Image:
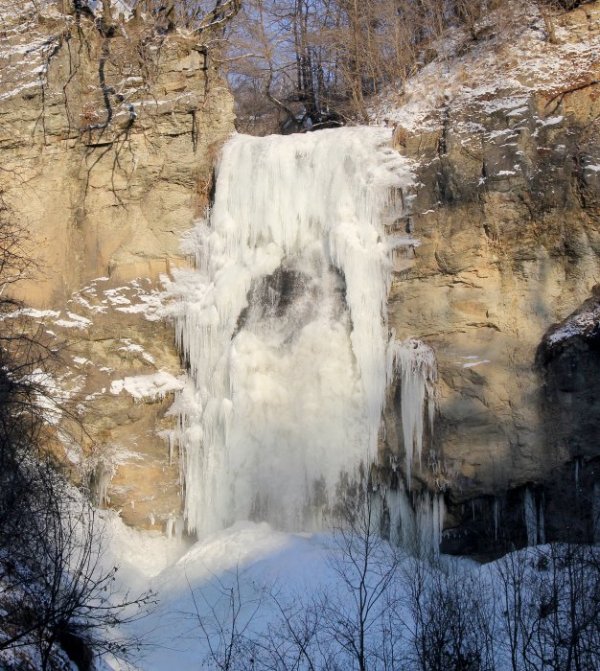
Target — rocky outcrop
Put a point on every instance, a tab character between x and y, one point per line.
108	139
568	359
507	212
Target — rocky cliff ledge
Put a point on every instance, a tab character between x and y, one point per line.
107	139
506	136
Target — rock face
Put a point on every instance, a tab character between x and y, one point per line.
107	148
108	143
508	216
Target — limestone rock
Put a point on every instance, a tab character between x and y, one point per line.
507	214
107	147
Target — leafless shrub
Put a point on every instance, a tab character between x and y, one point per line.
551	607
453	618
224	615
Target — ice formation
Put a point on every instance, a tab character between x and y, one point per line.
596	513
411	520
535	525
496	513
283	326
414	362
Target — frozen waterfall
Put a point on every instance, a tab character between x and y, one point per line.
283	325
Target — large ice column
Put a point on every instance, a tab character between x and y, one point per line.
283	326
534	517
414	363
414	520
596	513
431	510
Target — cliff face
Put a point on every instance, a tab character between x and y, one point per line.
107	148
107	144
507	212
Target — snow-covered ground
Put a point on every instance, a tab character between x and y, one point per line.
250	567
277	600
250	557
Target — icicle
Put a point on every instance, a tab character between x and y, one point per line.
179	527
170	526
172	438
417	527
415	362
286	391
101	479
402	518
174	527
596	512
379	514
578	469
531	517
431	511
439	517
541	521
496	513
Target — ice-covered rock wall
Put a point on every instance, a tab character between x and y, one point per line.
284	326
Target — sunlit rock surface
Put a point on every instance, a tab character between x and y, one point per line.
104	206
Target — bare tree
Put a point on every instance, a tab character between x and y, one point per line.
551	607
224	615
357	616
294	639
318	61
55	591
453	618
